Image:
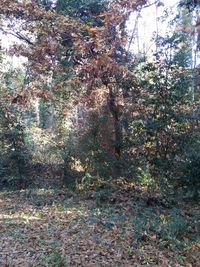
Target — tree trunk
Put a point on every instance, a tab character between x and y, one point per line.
114	110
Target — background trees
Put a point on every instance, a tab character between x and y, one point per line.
102	110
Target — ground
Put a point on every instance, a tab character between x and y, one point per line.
121	227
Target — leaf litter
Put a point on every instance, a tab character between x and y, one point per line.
118	229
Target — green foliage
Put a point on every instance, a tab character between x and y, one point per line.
55	259
86	10
144	178
160	130
189	168
176	226
16	157
168	230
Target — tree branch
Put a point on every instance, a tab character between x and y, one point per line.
19	36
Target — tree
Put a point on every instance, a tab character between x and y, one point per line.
138	116
15	156
88	53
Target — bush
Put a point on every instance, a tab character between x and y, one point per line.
15	159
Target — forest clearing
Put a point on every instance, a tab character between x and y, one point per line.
99	133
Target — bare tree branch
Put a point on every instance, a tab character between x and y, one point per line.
19	36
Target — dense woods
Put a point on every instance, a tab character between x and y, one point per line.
87	110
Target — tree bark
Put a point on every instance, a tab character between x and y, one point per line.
115	111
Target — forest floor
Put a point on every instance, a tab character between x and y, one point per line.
119	227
